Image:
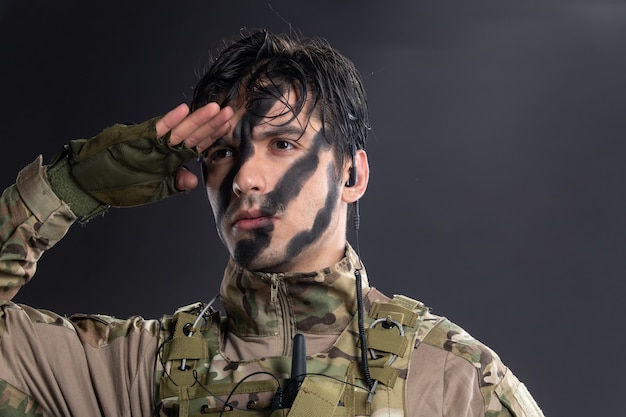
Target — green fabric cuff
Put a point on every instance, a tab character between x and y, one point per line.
84	206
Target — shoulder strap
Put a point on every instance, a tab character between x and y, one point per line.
396	327
183	354
409	312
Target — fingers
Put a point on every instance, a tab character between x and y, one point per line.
214	128
200	128
171	119
186	180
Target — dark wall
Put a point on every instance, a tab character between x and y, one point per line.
497	193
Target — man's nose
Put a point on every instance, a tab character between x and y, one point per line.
250	177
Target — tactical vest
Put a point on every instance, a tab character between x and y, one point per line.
194	379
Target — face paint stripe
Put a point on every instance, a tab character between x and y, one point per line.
243	131
322	219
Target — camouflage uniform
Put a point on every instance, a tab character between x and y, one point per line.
92	365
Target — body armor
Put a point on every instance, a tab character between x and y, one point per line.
193	380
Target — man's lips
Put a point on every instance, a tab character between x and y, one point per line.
249	220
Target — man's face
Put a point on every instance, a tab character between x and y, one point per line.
275	189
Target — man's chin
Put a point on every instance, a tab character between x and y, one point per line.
252	256
260	261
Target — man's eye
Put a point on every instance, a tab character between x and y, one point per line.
220	154
283	145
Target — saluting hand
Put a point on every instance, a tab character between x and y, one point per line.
199	129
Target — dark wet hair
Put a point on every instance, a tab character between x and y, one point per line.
262	64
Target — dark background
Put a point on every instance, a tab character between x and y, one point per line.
497	153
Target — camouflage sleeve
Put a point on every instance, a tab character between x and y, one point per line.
32	220
87	365
503	394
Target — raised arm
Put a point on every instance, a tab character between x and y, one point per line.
121	167
32	220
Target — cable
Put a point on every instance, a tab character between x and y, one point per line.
356	220
232	392
359	301
363	343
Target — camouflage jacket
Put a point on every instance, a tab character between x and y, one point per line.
93	365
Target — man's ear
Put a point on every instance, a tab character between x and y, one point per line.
356	175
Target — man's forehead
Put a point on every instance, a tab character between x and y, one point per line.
277	114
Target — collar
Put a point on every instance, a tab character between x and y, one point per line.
275	304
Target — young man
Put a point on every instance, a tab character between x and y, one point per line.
280	127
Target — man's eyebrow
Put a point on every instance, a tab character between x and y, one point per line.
286	130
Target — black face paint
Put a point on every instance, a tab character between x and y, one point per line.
322	219
243	131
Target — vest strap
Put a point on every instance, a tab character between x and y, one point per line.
183	347
186	348
318	396
183	401
385	375
398	313
386	340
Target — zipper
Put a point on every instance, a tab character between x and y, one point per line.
280	299
274	288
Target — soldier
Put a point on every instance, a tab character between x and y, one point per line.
279	126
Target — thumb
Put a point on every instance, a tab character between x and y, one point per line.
186	180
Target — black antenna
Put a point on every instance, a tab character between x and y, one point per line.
298	370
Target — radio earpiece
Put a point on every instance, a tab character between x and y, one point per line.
353	175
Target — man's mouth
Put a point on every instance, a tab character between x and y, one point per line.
252	219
